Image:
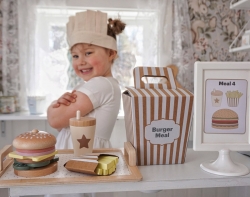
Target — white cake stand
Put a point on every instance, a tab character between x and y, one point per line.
224	165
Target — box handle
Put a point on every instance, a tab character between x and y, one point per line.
170	73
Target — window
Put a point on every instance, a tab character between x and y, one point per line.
53	60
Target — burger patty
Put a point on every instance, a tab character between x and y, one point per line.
225	121
35	154
35	150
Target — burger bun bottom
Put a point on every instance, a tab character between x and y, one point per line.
225	127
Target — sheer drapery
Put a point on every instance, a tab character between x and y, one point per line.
9	49
40	65
182	48
163	27
170	38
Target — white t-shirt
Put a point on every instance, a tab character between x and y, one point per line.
105	95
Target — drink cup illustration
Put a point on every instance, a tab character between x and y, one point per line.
216	97
82	133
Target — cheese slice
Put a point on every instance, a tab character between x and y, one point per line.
36	158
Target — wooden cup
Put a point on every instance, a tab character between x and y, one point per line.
83	134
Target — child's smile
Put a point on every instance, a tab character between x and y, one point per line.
86	71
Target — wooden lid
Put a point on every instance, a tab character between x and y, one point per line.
82	121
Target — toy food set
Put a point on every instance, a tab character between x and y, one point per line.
95	164
124	172
82	134
34	154
158	116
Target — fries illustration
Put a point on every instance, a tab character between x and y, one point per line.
233	98
233	94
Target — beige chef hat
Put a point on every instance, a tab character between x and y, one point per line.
89	27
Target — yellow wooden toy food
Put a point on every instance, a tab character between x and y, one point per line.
106	165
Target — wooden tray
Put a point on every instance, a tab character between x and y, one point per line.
126	160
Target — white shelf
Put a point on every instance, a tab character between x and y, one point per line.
28	116
240	5
22	116
239	49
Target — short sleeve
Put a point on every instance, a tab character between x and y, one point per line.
98	89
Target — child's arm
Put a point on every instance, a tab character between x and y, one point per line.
65	99
58	117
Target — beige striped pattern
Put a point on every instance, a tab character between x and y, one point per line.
149	104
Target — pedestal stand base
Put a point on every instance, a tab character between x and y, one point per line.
225	166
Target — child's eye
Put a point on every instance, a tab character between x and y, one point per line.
75	56
87	53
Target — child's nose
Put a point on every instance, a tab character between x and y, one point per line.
82	61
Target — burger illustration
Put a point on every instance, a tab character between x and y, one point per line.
225	119
34	154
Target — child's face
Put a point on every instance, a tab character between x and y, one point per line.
91	61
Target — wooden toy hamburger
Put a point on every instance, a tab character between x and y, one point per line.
34	154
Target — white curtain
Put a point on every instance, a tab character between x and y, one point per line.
35	61
42	69
170	38
9	49
182	47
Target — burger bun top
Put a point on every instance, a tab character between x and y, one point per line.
225	114
34	140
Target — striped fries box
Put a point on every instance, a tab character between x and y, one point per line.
158	117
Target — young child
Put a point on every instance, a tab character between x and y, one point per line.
92	43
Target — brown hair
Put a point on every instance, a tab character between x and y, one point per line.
115	27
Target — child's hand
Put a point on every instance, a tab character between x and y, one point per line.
66	99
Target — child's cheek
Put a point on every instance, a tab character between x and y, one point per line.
95	62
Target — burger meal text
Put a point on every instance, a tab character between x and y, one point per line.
164	130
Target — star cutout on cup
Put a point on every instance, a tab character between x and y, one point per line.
216	100
84	142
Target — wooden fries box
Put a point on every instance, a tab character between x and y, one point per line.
90	164
158	116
